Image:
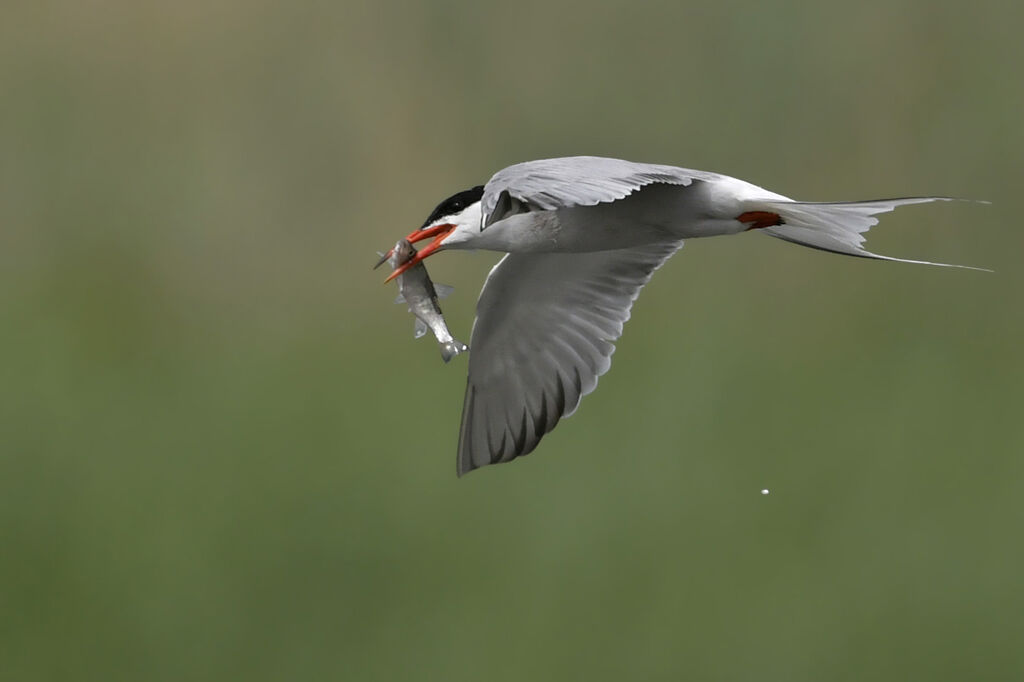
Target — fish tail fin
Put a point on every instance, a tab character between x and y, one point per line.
837	227
452	348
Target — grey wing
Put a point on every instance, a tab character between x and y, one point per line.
544	333
550	184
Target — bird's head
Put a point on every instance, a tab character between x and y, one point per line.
454	220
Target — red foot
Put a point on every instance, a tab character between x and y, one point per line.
759	219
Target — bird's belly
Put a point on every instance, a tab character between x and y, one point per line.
588	228
657	213
591	229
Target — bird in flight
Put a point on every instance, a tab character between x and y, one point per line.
582	236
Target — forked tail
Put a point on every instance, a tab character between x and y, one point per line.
837	227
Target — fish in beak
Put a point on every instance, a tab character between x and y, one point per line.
438	232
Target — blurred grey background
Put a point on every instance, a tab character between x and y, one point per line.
222	455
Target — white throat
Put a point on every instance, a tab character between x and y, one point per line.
467	224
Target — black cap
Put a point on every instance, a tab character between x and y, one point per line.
455	204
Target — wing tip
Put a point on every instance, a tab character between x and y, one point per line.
464	460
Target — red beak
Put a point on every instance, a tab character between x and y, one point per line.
438	232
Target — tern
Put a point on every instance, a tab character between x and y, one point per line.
582	236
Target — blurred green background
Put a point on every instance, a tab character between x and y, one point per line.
222	455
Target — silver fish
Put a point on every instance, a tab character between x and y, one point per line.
418	291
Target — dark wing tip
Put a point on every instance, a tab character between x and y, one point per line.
524	439
464	459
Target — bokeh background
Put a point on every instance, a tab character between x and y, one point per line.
223	456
